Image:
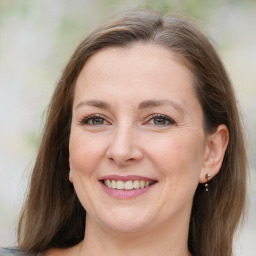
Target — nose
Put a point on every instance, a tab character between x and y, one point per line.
124	148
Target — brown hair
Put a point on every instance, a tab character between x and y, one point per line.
52	215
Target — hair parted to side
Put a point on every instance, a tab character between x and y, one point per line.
53	217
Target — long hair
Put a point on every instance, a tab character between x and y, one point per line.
53	216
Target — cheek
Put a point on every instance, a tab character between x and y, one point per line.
178	157
84	152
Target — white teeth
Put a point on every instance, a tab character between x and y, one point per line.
113	184
142	184
120	184
108	183
136	184
127	185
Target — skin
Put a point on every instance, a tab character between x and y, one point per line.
127	139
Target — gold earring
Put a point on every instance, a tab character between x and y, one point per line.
208	176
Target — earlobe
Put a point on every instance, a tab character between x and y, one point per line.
70	172
215	152
70	176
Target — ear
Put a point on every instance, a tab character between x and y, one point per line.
70	176
216	146
70	172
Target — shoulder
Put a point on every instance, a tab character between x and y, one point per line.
14	251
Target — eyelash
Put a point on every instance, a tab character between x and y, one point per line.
170	121
165	118
86	120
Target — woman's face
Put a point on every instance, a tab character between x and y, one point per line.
137	144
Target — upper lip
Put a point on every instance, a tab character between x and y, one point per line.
126	178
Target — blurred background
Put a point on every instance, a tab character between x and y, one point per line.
36	39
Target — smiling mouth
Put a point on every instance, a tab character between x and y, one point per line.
127	185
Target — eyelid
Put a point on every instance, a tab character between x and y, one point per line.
167	118
85	119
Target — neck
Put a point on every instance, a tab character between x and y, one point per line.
166	240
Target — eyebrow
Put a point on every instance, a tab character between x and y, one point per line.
94	103
157	103
142	105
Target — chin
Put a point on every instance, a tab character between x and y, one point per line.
126	221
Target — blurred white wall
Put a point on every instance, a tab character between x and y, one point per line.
36	39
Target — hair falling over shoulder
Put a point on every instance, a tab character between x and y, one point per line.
52	216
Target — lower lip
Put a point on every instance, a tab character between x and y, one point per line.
126	194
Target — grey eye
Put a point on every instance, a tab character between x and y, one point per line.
160	121
94	120
97	121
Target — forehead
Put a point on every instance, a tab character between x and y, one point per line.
140	70
144	55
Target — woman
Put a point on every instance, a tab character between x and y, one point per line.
143	151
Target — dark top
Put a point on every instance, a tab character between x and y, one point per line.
14	251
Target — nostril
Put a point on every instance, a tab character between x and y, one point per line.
130	159
123	154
